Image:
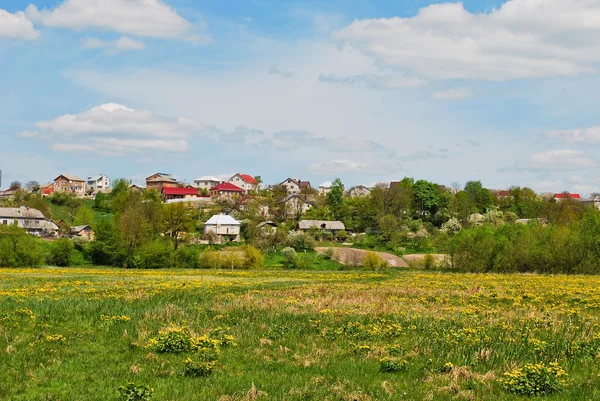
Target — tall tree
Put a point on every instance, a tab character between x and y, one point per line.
179	218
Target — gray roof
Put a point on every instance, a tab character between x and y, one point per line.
20	212
162	179
266	223
222	219
70	177
320	224
78	229
292	196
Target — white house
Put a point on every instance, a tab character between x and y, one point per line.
295	186
324	188
358	191
245	181
97	183
31	220
226	227
206	182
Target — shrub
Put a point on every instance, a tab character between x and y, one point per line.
300	241
19	249
186	256
373	261
198	369
289	256
61	252
428	261
342	235
391	365
155	254
535	379
253	258
134	392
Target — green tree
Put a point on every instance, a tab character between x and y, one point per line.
61	252
335	197
425	197
179	218
388	225
84	216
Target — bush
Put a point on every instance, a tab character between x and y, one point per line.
186	256
134	392
428	261
198	369
535	379
61	252
253	258
300	241
19	249
289	256
155	254
373	261
342	235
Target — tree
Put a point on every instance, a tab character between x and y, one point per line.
84	216
15	185
178	219
425	197
335	196
133	227
388	225
32	185
119	195
61	252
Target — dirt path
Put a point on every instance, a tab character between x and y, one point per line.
354	257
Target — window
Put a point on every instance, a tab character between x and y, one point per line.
5	222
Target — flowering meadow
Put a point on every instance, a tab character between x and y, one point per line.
107	334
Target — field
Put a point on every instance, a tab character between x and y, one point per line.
80	334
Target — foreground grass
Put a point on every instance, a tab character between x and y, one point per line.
78	334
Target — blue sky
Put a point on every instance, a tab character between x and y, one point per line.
369	91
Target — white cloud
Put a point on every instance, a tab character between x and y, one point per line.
577	179
27	134
282	72
149	18
339	167
372	81
521	39
290	139
121	44
453	94
585	135
16	26
561	159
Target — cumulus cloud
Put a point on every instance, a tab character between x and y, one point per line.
372	81
122	44
561	159
16	26
115	130
586	135
282	72
290	139
521	39
339	167
453	94
149	18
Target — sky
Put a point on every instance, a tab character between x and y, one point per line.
367	90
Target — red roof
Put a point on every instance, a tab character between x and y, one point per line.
248	178
227	187
180	191
567	196
505	192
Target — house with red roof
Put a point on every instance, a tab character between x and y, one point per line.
169	193
245	181
565	195
226	189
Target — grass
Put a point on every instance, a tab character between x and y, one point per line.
80	333
311	259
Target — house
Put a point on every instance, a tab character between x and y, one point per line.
224	226
358	191
47	189
83	231
245	181
324	188
169	193
267	226
70	184
31	220
159	181
207	182
7	194
323	225
295	186
565	196
97	183
226	189
296	205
